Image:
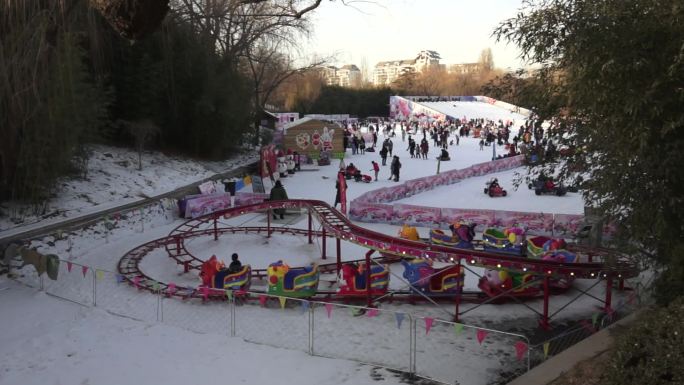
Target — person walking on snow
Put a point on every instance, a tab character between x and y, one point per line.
394	168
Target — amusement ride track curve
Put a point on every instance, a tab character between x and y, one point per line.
335	224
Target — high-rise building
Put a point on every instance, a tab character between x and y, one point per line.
346	76
387	72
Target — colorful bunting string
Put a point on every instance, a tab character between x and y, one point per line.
372	312
84	270
481	335
171	288
400	319
229	295
282	300
458	329
304	306
119	278
69	266
328	309
520	350
428	324
136	282
546	349
262	299
99	274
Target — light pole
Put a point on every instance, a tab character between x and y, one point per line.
494	150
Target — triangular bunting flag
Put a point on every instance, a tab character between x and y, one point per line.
84	270
428	324
546	349
155	286
262	299
458	329
304	306
481	334
205	292
99	274
594	319
229	295
119	278
282	300
400	319
520	350
171	288
136	282
372	312
69	266
328	309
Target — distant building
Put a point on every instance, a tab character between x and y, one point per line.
386	72
346	76
465	68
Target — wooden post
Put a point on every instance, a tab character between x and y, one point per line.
545	316
323	246
310	240
339	255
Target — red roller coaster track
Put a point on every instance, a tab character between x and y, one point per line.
593	263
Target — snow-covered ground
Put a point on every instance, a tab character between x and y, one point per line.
113	179
46	340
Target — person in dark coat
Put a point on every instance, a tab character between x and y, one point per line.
383	155
394	168
278	193
235	266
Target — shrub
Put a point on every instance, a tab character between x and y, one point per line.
651	351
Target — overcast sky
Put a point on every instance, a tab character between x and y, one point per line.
380	30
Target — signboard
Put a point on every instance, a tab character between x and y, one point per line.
313	136
258	184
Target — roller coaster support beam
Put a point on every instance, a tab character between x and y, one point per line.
268	224
459	290
609	293
339	255
369	299
310	240
324	236
545	316
215	228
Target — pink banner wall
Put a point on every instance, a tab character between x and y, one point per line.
483	218
247	198
416	215
566	224
370	212
206	204
538	223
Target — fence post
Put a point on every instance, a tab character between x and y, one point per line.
94	272
412	345
232	308
311	325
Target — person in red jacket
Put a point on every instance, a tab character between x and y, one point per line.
376	169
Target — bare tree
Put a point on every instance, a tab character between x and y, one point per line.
269	67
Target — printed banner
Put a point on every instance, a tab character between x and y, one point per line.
566	224
206	204
416	215
537	223
418	185
483	218
370	212
246	198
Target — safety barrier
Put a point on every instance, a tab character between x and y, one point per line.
427	347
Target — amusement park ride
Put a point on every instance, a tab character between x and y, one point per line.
516	268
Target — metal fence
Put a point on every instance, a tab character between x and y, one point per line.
435	349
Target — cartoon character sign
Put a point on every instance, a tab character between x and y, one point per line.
327	139
303	140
